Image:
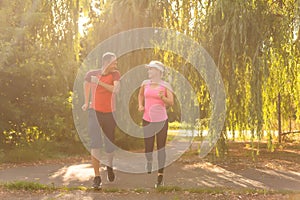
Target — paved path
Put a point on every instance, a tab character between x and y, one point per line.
202	174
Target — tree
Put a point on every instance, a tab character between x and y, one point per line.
240	35
37	68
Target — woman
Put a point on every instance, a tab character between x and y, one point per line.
154	96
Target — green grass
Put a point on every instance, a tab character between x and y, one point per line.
169	189
34	186
218	190
28	186
140	190
112	190
206	190
190	190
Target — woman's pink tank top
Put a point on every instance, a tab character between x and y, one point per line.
155	108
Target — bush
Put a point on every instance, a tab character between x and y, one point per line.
42	150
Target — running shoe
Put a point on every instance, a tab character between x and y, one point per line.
97	182
110	174
160	181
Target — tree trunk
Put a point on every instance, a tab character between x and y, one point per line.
279	117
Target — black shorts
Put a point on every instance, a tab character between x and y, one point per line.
94	130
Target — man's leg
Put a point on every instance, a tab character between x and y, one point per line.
108	125
95	145
110	158
95	156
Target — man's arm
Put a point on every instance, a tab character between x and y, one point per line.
86	90
111	88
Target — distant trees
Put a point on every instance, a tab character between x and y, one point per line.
255	45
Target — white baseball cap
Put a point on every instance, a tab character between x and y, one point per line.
156	64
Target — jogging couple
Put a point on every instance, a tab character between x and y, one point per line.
153	98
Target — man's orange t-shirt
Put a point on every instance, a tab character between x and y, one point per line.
102	100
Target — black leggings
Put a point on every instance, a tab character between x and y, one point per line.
158	129
108	125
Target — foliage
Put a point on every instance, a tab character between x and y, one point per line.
36	71
252	44
255	45
41	150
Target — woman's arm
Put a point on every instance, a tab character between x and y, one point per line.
167	96
141	99
168	99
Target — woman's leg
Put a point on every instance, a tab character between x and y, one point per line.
148	140
161	138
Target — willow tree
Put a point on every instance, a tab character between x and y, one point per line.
244	35
37	69
281	53
252	44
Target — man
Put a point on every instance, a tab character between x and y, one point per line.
100	85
